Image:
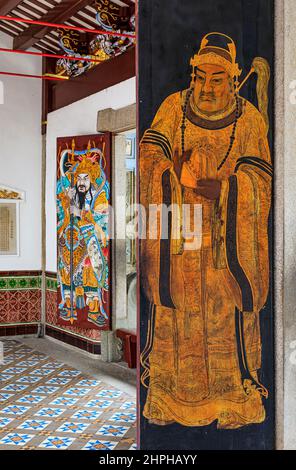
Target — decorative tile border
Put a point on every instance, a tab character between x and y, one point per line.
14	283
51	284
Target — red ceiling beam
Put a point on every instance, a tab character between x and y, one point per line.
108	74
8	5
52	56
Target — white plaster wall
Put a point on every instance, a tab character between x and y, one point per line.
79	118
20	154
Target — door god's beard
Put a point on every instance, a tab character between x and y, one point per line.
81	198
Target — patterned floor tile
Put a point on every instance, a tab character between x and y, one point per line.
5	421
57	442
70	373
64	401
15	370
34	424
99	445
16	410
42	371
5	396
123	417
58	381
29	379
76	428
88	383
101	404
53	365
128	405
50	412
45	389
109	394
111	430
6	377
7	360
16	439
87	414
31	363
59	407
30	399
79	392
14	388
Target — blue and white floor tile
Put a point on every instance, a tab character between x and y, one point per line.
29	379
57	442
14	388
5	421
5	396
79	392
99	445
16	410
16	439
30	399
111	430
58	381
88	383
76	428
46	389
34	424
123	417
101	404
15	370
5	377
87	414
109	394
42	371
45	404
50	412
70	373
64	401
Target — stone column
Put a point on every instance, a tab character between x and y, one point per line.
288	126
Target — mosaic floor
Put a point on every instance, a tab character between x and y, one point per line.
45	404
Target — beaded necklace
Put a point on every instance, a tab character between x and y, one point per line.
183	127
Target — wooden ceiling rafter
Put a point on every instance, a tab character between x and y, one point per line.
84	14
8	5
62	12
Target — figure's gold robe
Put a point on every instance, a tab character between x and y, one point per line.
203	350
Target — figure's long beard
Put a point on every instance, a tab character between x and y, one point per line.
81	199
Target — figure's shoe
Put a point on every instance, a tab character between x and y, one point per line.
96	318
67	315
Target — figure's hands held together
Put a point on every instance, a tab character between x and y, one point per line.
208	188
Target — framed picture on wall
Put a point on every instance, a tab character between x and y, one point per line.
129	148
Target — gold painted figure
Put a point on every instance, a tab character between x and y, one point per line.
207	145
